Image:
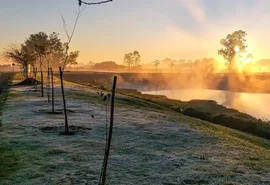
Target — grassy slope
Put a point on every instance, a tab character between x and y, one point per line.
209	111
204	110
258	159
220	131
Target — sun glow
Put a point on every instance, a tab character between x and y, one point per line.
242	62
236	49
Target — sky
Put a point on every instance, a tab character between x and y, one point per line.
178	29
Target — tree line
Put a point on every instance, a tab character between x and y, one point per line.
41	51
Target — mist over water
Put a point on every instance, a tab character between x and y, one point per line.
246	92
255	104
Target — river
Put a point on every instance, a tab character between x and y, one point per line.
255	104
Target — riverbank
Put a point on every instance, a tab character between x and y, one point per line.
208	110
201	109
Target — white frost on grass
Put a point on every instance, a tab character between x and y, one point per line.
149	146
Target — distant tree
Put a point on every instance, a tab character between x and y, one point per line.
90	64
128	59
132	59
21	57
171	64
136	58
156	63
108	66
232	44
204	66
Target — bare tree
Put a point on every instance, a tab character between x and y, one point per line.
156	63
21	57
70	36
67	55
171	64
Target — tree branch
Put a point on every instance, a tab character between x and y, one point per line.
97	3
70	36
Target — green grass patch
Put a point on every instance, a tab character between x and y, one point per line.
4	91
10	161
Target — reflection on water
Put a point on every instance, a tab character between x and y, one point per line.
256	105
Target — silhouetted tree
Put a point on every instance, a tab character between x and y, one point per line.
171	64
21	57
156	63
51	48
108	65
128	60
136	58
233	43
132	59
37	44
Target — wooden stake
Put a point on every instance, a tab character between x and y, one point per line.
52	90
48	85
35	78
107	151
41	75
64	100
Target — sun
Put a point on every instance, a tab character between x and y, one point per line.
236	49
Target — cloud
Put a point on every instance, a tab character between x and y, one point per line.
195	8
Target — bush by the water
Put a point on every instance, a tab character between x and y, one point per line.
238	121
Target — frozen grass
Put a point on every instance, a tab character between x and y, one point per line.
151	144
208	110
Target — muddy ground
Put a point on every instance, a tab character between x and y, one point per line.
150	145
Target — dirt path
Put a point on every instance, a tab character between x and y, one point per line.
150	146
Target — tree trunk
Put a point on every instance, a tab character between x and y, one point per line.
107	151
41	76
48	85
64	101
52	90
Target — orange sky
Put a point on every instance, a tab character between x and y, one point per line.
178	29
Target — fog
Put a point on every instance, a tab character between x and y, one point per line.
238	88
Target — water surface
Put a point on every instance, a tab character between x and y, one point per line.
255	104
